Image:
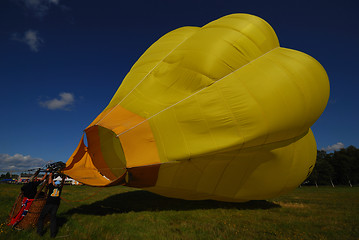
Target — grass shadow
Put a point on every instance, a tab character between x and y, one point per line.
61	221
138	201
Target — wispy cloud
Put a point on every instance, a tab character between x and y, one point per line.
63	103
19	162
30	38
334	147
39	8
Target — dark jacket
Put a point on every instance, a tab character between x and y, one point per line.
54	194
30	189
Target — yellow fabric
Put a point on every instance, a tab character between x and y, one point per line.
95	149
223	109
240	175
112	152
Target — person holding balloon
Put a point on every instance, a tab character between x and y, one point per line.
51	207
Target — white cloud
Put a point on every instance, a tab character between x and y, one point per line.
31	38
56	2
19	162
334	147
39	7
66	100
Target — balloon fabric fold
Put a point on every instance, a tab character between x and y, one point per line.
215	112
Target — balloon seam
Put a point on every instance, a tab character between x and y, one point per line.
195	93
144	78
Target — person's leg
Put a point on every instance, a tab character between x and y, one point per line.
40	222
53	225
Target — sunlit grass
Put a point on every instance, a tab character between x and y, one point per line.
127	213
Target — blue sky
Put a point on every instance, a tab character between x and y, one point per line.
61	61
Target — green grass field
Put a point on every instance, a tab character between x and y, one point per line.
126	213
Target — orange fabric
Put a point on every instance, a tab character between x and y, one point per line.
119	181
120	120
138	143
77	154
99	117
145	176
139	146
85	172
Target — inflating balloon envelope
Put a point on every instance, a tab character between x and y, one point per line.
215	112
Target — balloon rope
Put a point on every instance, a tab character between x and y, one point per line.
195	92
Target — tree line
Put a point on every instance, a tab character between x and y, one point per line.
8	176
337	168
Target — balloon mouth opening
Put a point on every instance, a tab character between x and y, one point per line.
106	151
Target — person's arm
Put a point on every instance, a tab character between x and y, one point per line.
51	180
43	178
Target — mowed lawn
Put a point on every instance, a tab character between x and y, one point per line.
127	213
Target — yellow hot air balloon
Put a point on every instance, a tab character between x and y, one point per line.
215	112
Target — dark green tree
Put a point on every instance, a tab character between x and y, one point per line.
340	167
